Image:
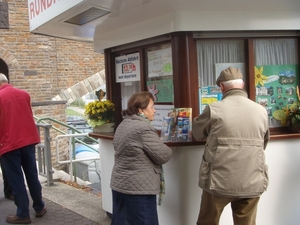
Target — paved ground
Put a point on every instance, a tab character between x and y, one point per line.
65	205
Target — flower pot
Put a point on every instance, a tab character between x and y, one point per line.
294	125
104	128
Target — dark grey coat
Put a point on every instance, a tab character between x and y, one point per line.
139	154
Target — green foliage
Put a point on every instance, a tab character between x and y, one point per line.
78	102
71	112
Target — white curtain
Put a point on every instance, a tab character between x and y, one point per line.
275	51
217	51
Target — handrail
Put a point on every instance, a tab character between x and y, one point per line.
67	126
71	143
71	153
44	154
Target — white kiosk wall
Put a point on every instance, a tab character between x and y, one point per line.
278	205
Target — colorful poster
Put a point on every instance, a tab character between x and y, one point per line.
162	90
276	88
208	95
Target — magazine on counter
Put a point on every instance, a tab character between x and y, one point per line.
177	126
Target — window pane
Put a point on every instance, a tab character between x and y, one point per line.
211	52
214	56
275	51
159	73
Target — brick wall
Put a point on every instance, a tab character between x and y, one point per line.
44	66
58	63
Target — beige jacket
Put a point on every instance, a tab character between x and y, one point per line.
139	154
237	132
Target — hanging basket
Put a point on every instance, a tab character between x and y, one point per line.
104	128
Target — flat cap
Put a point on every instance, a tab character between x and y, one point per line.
231	73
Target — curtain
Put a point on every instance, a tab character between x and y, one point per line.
275	51
217	51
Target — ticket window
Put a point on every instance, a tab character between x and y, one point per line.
214	56
150	69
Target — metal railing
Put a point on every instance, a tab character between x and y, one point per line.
73	129
44	154
72	155
44	149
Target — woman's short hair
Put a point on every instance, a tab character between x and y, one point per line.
137	101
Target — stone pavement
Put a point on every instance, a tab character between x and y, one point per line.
65	205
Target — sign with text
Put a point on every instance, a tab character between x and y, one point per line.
128	68
161	111
42	11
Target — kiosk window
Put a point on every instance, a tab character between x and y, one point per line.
213	57
160	73
276	76
212	53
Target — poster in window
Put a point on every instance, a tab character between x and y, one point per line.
162	90
208	95
161	112
276	88
160	62
221	66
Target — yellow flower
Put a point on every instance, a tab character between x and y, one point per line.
259	77
100	111
292	112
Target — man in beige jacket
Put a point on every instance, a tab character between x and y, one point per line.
233	168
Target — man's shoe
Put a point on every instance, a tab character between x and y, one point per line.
41	213
18	220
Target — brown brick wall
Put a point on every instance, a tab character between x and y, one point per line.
59	63
42	65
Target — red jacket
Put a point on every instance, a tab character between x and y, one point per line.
17	126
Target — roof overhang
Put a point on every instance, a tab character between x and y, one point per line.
75	20
128	21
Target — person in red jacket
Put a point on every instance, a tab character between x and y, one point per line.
18	137
6	187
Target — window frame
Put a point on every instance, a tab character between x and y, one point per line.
185	68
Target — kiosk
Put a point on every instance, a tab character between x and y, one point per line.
178	47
